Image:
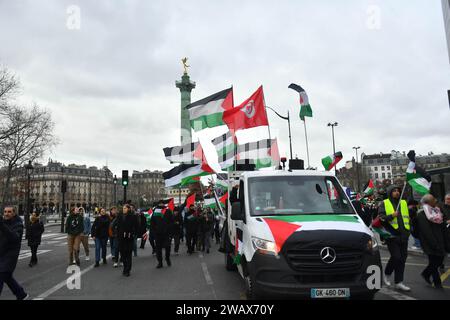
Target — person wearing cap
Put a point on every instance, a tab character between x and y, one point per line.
394	214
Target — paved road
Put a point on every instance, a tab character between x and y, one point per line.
199	276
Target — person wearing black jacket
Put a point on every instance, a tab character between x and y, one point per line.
432	232
34	236
208	227
11	231
394	215
177	228
126	230
162	225
100	233
191	223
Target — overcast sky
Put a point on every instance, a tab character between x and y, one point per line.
379	68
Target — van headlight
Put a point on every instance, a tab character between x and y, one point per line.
264	246
372	244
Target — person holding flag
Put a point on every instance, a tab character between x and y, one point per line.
394	215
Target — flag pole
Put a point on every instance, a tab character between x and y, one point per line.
265	110
401	196
307	147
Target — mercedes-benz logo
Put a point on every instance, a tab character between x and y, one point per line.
328	255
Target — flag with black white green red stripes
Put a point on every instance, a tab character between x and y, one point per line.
208	112
226	146
331	161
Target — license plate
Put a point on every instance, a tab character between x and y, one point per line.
330	293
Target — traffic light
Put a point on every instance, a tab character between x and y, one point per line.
125	178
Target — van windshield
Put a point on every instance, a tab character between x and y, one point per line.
296	196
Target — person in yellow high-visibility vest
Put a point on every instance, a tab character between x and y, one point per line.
397	223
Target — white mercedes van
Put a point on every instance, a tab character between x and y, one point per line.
296	234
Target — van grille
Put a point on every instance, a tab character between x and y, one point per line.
309	261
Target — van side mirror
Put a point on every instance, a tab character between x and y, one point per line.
236	212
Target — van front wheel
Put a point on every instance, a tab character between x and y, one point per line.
250	288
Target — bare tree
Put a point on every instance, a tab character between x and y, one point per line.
31	138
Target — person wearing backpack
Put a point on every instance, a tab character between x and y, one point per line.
432	236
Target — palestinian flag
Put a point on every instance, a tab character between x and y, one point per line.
418	179
226	148
223	200
191	153
331	161
210	203
190	200
305	107
380	229
185	173
238	251
369	188
250	114
264	153
208	112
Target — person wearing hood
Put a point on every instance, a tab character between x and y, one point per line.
394	215
432	233
34	236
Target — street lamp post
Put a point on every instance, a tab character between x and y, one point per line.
289	126
357	169
115	185
29	168
332	125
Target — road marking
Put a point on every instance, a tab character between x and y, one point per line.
396	295
208	278
27	253
445	275
47	235
408	263
206	273
63	283
60	238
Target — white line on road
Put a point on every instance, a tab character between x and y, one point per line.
60	238
208	278
206	273
27	253
50	235
63	283
396	295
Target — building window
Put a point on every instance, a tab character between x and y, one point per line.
375	168
389	175
382	168
376	175
388	168
383	175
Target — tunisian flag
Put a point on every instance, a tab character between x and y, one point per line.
251	113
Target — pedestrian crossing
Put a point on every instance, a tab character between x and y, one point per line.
48	239
24	254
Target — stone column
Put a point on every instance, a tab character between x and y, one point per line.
185	86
